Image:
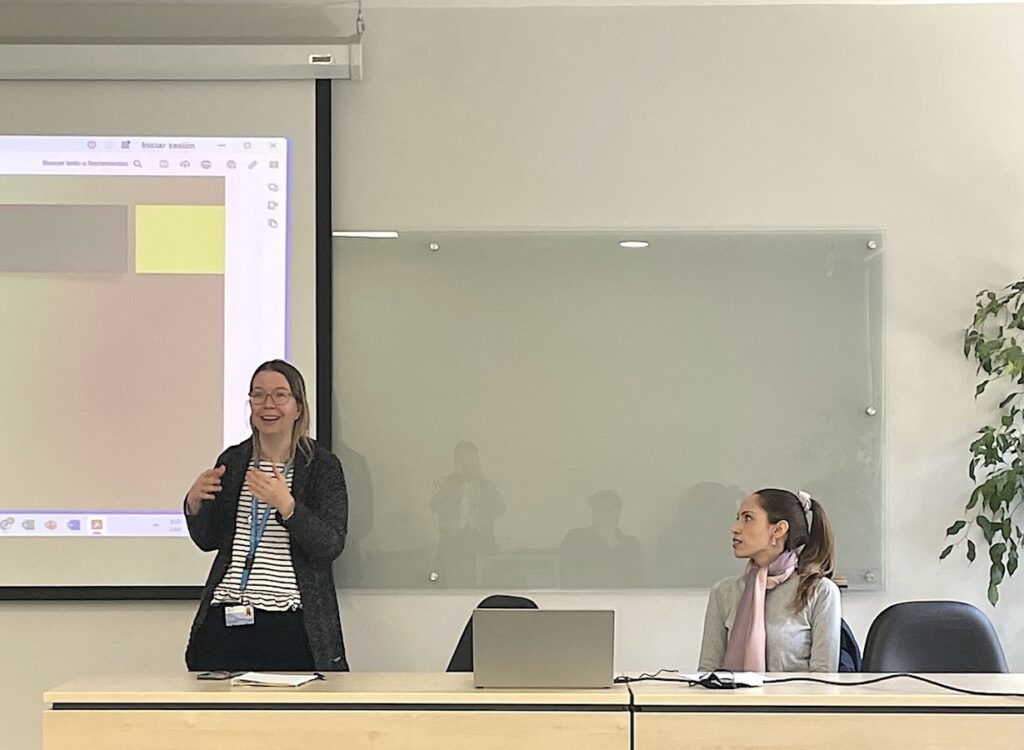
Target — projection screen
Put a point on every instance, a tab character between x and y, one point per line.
156	244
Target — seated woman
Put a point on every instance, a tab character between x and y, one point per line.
782	614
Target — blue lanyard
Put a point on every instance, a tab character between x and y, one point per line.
256	529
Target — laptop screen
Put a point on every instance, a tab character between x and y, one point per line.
543	648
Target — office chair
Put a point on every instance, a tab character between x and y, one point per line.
933	636
462	659
849	650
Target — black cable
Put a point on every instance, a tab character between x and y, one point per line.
656	677
712	680
723	680
893	676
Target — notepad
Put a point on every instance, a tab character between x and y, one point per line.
270	679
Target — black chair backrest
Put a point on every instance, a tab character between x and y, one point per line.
933	636
849	649
462	659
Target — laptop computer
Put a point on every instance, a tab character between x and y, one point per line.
543	648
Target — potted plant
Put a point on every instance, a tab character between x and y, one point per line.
993	341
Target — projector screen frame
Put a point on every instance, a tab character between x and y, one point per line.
323	352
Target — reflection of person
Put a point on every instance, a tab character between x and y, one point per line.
600	555
275	510
782	614
467	506
690	552
350	569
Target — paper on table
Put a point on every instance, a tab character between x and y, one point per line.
270	679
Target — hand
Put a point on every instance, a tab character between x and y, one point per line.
271	489
206	487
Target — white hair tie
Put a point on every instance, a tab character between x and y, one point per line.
805	503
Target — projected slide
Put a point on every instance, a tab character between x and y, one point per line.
141	280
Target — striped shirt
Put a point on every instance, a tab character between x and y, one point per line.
272	583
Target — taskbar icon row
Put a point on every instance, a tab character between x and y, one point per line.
22	523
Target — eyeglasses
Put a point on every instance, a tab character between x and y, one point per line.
279	397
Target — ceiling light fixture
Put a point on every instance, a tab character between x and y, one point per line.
367	235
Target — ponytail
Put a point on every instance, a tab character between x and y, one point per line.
809	530
818	557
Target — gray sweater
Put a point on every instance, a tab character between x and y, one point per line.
317	529
803	641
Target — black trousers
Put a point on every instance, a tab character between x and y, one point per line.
275	642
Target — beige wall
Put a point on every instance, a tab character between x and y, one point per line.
907	118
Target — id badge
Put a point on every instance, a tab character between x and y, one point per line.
239	614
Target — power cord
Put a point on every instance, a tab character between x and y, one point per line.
893	676
720	680
724	679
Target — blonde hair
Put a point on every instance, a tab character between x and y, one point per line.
300	430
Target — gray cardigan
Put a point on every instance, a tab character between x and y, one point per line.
803	641
317	529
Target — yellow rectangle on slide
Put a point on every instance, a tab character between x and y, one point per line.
179	239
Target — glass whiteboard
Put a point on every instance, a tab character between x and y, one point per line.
549	410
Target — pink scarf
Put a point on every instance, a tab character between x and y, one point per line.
746	649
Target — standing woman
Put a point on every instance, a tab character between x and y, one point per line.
275	509
782	614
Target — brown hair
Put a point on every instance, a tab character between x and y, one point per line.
300	430
817	559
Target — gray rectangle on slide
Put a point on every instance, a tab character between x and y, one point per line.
63	239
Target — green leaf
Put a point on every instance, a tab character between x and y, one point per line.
983	441
1011	562
956	527
986	527
996	552
996	573
978	492
945	552
993	594
994	502
971	551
